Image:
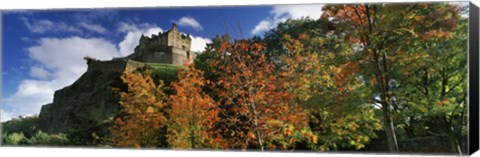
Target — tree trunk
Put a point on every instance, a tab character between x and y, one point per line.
452	139
454	145
381	75
259	138
389	130
257	127
260	141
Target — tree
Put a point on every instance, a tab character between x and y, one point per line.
327	84
13	138
27	125
382	31
434	90
204	60
42	138
38	139
141	115
255	111
324	77
193	113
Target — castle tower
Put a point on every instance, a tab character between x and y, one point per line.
170	47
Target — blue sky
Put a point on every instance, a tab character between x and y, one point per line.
43	50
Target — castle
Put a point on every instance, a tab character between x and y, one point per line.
170	47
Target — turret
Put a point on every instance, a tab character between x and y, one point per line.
174	27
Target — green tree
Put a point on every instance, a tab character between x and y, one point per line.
433	86
13	138
44	139
382	32
28	126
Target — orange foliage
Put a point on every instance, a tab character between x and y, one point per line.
141	114
193	113
348	71
255	109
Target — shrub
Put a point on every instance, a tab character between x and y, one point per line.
13	138
42	138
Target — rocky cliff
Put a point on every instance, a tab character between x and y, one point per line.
85	110
85	107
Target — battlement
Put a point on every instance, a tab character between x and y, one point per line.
170	47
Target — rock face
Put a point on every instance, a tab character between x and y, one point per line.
85	106
89	105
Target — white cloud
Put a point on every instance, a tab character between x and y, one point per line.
38	72
40	26
93	27
67	53
63	58
43	26
199	43
281	13
262	26
133	34
189	21
298	11
125	27
30	96
5	116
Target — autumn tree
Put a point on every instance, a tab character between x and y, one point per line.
326	82
141	115
382	32
204	60
255	111
193	113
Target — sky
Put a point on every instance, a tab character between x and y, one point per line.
43	50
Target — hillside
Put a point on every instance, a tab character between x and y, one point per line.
89	105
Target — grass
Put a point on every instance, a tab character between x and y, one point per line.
163	66
166	72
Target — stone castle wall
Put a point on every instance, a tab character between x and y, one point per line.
170	47
116	65
133	65
179	56
113	65
180	41
154	57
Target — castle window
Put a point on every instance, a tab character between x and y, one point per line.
183	47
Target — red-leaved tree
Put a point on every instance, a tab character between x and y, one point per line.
256	112
193	113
